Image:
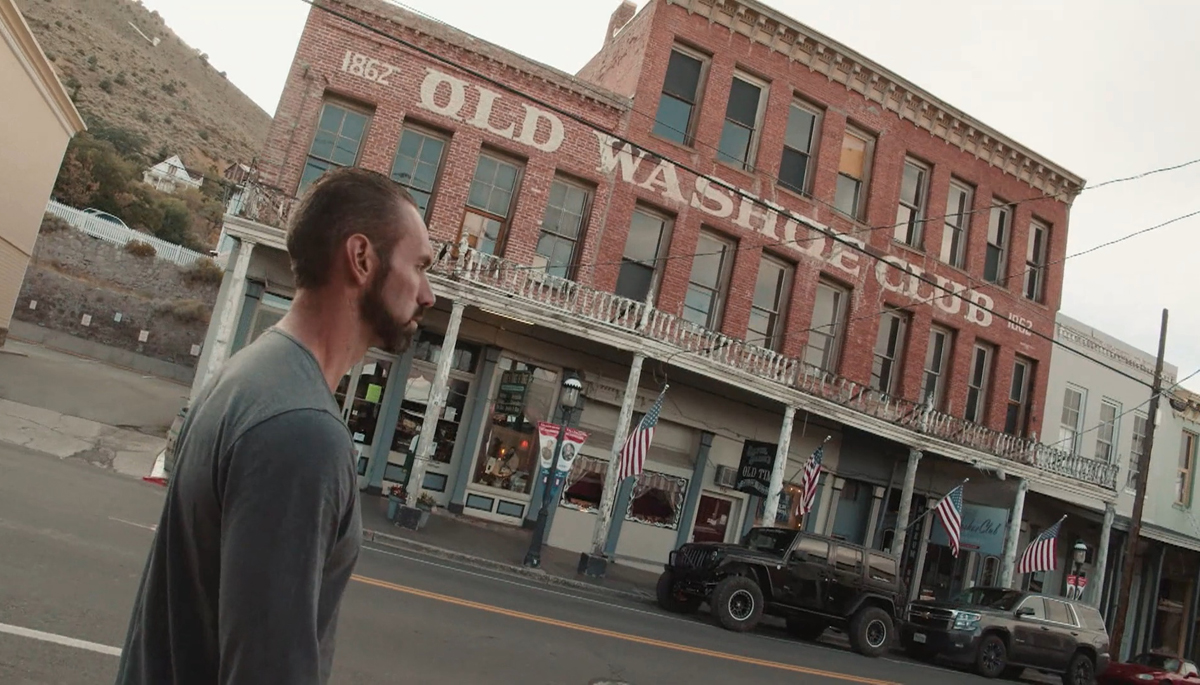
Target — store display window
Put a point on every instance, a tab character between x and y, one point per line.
524	396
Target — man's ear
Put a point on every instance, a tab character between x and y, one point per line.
360	259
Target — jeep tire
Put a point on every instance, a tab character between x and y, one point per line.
871	631
806	629
672	601
737	602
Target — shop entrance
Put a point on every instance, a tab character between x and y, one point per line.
716	517
360	394
945	576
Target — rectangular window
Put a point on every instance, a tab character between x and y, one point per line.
1106	433
889	351
639	265
799	144
1187	464
490	203
562	226
910	213
1016	418
1072	418
739	136
676	118
828	321
416	165
958	219
937	366
853	170
849	559
1136	449
977	384
707	285
340	133
995	263
1035	261
769	307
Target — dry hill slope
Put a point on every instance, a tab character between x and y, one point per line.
166	92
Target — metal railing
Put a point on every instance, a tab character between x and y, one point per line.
120	235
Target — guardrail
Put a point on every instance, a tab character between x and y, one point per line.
119	235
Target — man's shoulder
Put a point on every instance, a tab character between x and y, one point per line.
296	445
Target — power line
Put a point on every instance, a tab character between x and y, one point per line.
780	211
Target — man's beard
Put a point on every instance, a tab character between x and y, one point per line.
389	331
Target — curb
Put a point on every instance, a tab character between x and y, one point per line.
539	575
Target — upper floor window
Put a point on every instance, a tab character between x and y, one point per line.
1071	425
641	261
910	213
562	226
677	106
995	262
1016	418
711	265
979	382
416	165
1187	467
339	136
1106	433
1136	449
853	171
957	221
490	202
799	144
739	135
889	351
937	366
1035	261
828	326
769	307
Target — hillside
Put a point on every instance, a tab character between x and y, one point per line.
167	92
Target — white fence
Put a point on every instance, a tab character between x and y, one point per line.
119	235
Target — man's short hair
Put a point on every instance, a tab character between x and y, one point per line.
339	204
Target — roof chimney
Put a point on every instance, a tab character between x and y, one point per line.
620	18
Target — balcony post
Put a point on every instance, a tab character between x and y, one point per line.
906	495
433	410
771	508
230	312
1095	584
1014	532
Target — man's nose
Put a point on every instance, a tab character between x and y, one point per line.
427	298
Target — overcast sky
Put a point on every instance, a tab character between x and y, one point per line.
1107	89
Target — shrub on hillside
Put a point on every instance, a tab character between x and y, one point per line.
53	224
204	270
137	248
187	311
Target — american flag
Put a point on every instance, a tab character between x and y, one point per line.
633	453
949	512
808	482
1042	553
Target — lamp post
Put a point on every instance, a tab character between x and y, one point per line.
569	400
1079	554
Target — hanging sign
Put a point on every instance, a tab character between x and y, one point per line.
573	440
547	440
754	472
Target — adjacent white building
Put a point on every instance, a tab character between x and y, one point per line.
171	175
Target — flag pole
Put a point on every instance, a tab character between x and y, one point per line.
928	510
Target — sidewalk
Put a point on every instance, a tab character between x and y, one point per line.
499	548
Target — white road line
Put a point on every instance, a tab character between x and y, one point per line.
59	639
131	523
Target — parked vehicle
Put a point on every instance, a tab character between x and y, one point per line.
105	216
1150	668
813	582
1002	632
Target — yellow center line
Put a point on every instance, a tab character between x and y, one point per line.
617	635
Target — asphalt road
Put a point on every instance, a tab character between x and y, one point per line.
73	540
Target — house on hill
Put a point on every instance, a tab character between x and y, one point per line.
170	175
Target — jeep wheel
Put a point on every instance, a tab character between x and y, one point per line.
737	603
805	629
992	657
870	631
672	601
1081	670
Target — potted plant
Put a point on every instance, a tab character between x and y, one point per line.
427	505
396	499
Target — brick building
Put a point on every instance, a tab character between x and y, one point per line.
801	243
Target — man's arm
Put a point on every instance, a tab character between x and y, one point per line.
286	486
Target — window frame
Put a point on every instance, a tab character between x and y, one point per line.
752	143
428	132
897	322
1112	427
982	387
913	228
348	106
1008	210
814	144
1035	264
1185	476
961	230
865	182
664	241
1137	447
1076	438
589	193
832	350
506	221
689	136
942	372
1024	400
778	316
719	295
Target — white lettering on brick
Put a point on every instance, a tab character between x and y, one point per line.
371	69
529	129
429	92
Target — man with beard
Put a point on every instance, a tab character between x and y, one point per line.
261	529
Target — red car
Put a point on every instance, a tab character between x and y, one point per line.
1150	668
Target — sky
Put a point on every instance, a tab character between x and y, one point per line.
1105	88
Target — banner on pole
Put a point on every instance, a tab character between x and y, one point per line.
547	441
573	440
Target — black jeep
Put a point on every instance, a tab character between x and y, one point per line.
813	582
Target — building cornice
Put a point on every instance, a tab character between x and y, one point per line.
908	101
20	39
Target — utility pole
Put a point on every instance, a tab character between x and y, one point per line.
1139	500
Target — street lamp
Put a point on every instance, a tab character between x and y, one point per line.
1080	555
569	399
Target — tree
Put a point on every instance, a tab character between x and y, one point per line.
176	223
75	184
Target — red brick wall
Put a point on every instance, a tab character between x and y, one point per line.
618	64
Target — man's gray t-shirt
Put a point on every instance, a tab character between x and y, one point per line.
259	533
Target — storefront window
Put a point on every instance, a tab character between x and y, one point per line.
363	414
657	499
412	415
428	348
525	395
585	484
712	519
